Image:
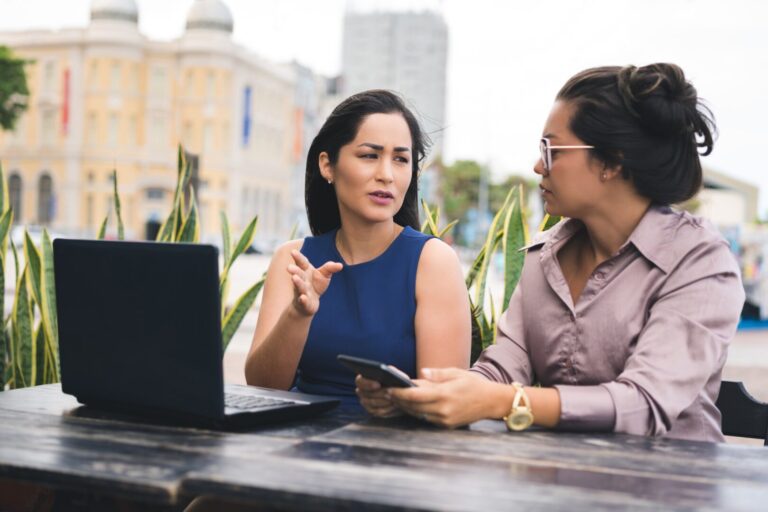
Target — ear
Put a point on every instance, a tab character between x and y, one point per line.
326	169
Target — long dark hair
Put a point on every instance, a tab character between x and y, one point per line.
341	128
649	120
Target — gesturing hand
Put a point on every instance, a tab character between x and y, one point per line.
309	283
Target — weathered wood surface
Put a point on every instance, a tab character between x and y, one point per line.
345	461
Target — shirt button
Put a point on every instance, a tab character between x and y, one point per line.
600	276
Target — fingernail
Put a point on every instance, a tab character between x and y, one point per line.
427	372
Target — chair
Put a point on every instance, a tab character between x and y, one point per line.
743	415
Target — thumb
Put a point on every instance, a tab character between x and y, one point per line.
330	268
442	374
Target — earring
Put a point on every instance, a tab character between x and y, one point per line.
330	182
603	176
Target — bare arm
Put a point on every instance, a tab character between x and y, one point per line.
443	323
291	298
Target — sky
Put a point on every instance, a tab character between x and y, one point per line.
508	59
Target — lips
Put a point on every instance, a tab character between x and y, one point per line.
381	197
544	190
383	194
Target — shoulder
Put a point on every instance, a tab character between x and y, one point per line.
678	241
283	251
437	253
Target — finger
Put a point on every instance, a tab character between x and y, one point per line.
301	261
330	268
293	269
418	395
442	374
367	384
301	286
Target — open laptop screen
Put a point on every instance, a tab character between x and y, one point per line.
139	325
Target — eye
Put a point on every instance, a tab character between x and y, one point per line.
369	156
401	159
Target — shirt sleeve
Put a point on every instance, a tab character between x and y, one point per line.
684	342
507	360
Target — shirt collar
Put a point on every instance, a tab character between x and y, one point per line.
651	235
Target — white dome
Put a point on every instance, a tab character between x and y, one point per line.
123	10
210	14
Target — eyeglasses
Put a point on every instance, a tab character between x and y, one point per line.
546	151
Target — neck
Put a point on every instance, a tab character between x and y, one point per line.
358	243
610	225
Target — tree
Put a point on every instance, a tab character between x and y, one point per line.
13	88
460	187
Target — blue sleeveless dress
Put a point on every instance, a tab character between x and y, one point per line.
367	311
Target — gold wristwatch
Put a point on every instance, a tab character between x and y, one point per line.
520	417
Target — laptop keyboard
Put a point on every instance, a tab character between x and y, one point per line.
250	402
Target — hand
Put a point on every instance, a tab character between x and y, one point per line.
309	283
449	397
373	396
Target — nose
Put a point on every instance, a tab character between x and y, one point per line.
384	171
538	168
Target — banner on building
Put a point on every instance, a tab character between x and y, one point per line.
246	115
65	103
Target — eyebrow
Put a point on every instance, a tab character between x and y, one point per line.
377	147
549	135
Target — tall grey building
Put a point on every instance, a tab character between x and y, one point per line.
402	51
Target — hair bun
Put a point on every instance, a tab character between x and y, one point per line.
665	103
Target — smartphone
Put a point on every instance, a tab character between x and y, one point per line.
377	371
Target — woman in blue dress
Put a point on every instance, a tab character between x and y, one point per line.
367	283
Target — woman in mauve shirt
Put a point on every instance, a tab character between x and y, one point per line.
624	311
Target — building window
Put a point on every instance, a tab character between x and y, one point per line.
186	137
89	211
115	78
133	134
49	127
93	74
112	132
92	135
45	199
158	130
14	196
49	76
158	82
210	84
155	193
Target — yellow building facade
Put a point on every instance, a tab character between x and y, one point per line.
105	97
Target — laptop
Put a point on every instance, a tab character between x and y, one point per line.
140	332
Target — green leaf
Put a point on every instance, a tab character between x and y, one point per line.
103	229
190	231
120	226
294	230
33	267
3	355
431	221
48	302
226	238
548	221
515	237
40	356
246	239
22	314
15	259
6	220
4	202
238	311
491	242
168	228
224	291
447	228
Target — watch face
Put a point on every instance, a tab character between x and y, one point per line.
520	419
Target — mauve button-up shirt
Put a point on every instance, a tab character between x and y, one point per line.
643	348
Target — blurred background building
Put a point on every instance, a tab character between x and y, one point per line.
105	97
406	52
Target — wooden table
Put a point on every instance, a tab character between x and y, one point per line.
347	461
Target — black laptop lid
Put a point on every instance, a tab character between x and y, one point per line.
139	325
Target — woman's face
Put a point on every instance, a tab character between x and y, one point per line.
572	186
373	172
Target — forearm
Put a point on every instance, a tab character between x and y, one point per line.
545	403
273	362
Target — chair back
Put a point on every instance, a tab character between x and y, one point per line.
743	415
